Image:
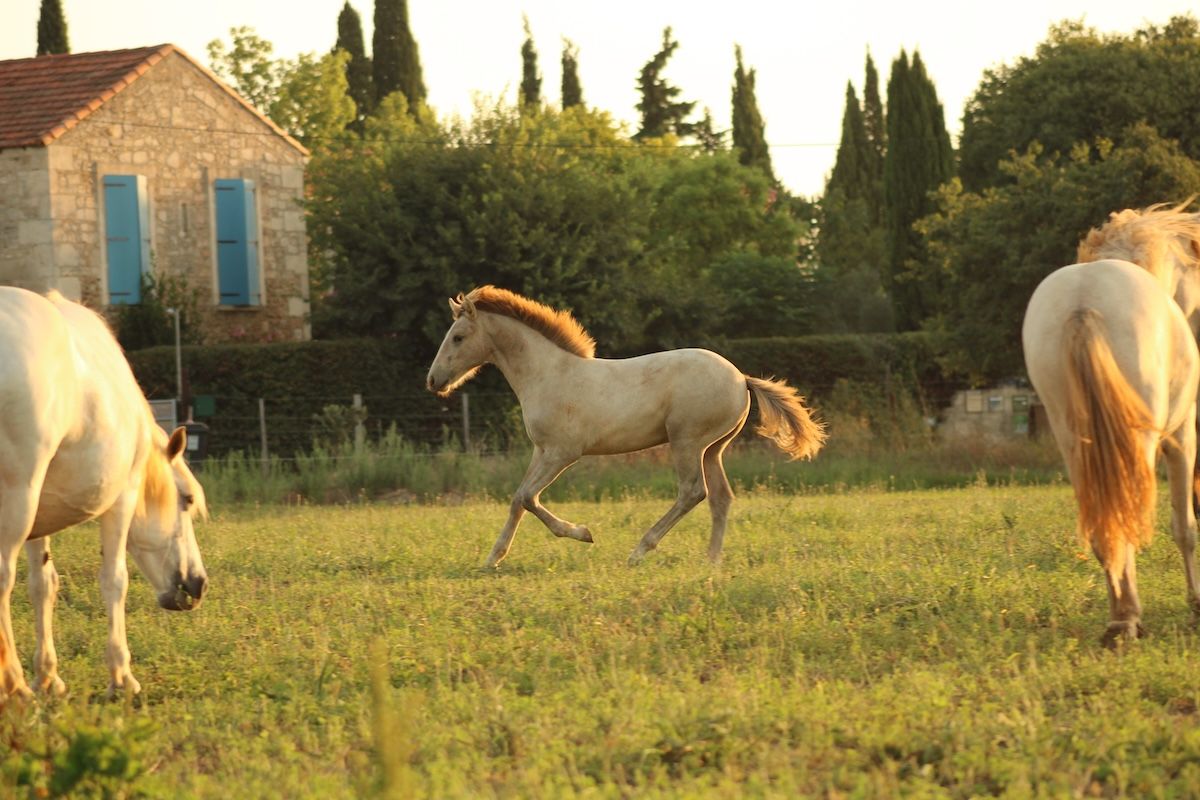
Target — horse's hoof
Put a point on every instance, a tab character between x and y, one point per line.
1120	633
583	534
53	687
129	688
636	557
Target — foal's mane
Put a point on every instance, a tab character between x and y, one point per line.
557	326
1149	237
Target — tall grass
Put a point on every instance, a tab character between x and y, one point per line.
394	469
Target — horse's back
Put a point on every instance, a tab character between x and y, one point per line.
1146	331
37	367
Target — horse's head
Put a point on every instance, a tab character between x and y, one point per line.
162	540
465	348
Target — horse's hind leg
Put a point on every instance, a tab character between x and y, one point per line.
720	495
1125	610
43	593
1179	454
18	507
690	469
545	467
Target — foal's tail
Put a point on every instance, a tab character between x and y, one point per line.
784	419
1110	469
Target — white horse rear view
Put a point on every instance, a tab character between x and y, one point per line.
575	405
1113	358
79	443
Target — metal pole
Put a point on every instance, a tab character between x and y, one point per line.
466	421
360	432
174	312
262	433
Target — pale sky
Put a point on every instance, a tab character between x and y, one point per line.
804	53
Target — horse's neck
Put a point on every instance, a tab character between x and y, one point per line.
526	358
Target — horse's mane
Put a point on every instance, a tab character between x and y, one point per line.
1149	237
557	326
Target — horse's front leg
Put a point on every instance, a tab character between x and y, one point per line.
114	584
544	468
43	593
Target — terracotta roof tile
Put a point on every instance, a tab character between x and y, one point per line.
44	97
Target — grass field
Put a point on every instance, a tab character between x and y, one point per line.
855	644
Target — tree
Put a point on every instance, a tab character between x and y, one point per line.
749	131
247	66
531	81
396	65
995	246
358	68
1080	85
875	125
312	102
661	113
52	29
919	159
572	91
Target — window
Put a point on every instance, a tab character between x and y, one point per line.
237	242
126	236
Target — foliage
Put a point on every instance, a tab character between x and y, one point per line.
246	65
307	97
993	248
749	131
358	69
312	102
396	63
662	114
572	91
558	206
531	79
919	159
1080	86
149	324
52	36
874	121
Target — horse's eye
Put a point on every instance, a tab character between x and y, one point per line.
457	339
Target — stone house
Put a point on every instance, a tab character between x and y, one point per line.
996	414
122	163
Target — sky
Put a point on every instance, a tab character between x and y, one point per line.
804	53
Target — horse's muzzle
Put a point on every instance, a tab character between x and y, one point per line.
186	595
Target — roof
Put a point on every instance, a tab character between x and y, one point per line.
44	97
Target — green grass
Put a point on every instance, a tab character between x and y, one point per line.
853	644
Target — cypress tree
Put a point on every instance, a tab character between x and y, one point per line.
531	81
396	65
572	91
661	113
919	159
52	29
749	131
875	125
852	170
358	70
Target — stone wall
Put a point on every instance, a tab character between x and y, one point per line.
179	128
26	232
1005	412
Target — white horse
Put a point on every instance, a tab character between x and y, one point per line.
575	405
1110	346
79	442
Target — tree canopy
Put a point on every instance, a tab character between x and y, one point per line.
52	36
662	113
395	61
749	130
358	68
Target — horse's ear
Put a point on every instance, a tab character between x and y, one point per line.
455	305
177	443
466	306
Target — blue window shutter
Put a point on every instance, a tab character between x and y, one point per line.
237	242
127	236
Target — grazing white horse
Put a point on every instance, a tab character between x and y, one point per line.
78	442
1110	346
575	405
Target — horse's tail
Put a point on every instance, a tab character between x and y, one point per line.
1110	470
784	419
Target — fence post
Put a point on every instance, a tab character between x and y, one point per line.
360	431
466	421
262	435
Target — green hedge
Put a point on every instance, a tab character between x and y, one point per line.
298	379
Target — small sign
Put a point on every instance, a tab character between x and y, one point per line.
166	413
974	400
